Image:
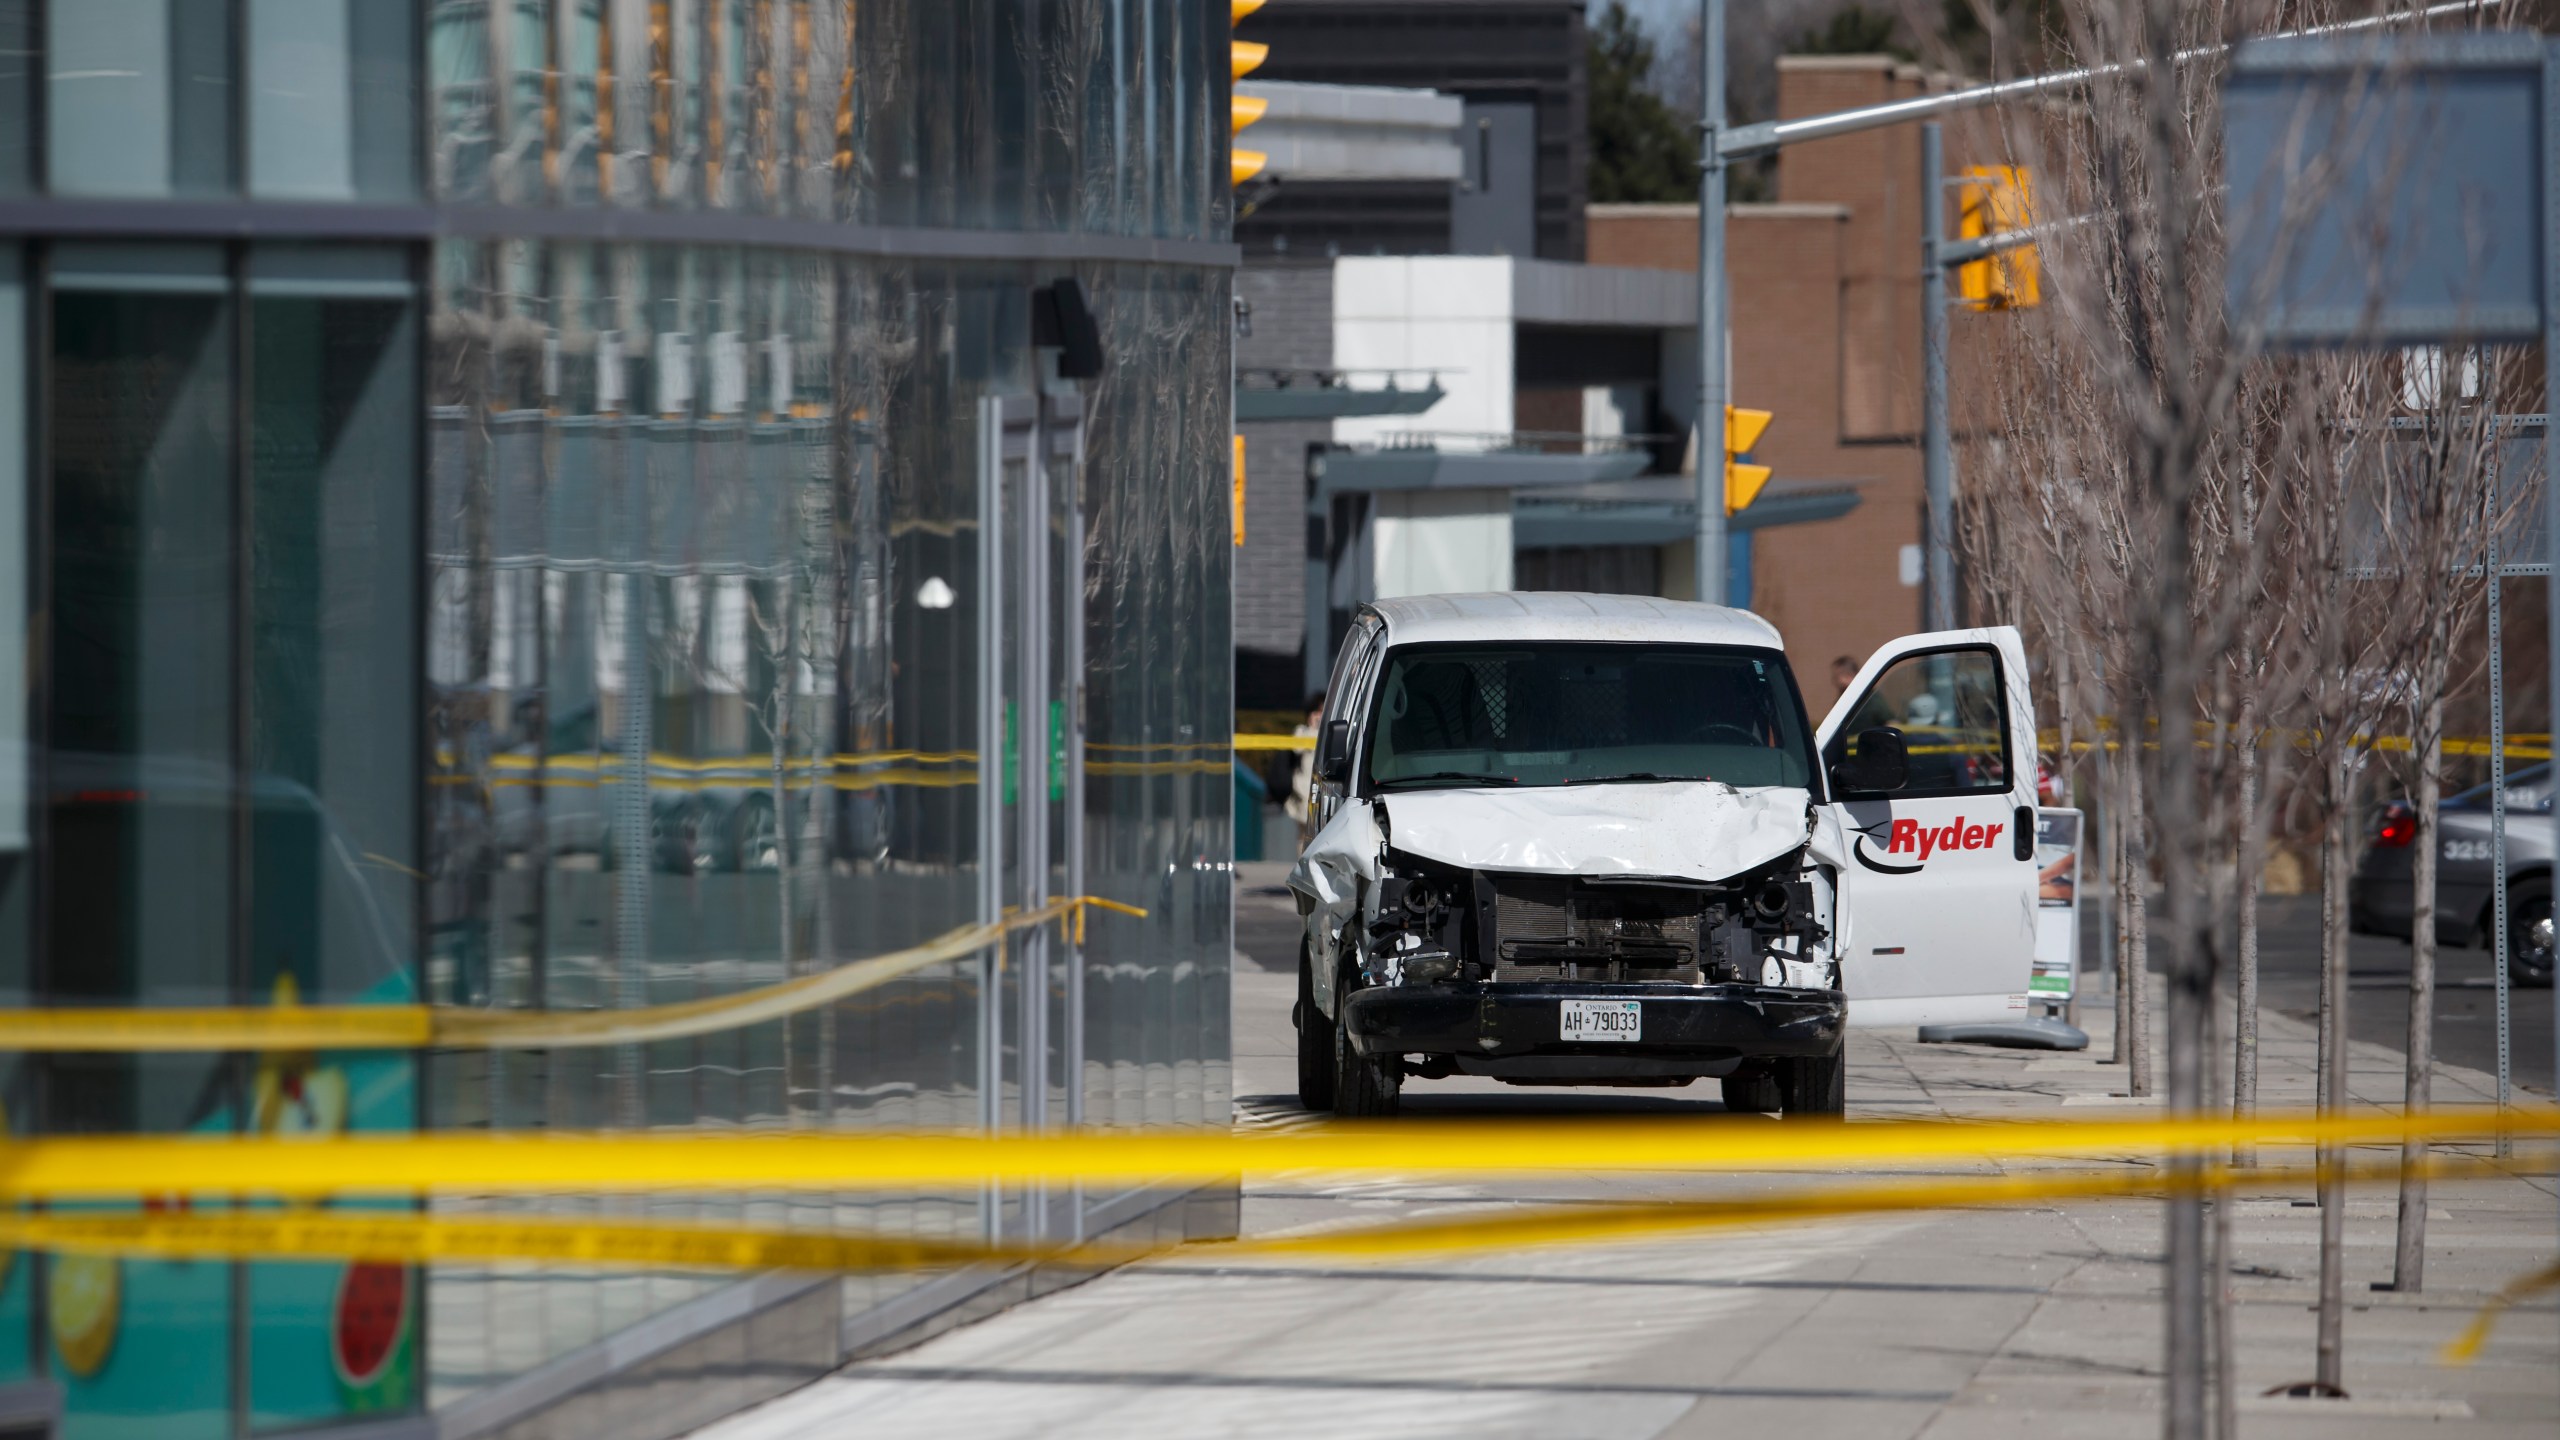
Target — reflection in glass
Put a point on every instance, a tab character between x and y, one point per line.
1093	115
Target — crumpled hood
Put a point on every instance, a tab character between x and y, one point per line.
1690	829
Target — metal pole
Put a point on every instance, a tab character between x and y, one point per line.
1937	463
1714	386
2498	795
1743	141
2551	399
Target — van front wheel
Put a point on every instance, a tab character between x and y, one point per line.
1362	1086
1315	1041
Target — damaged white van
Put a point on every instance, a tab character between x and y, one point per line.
1564	839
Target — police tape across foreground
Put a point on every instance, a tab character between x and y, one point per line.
107	1167
411	1237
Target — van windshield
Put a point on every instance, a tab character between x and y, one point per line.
1553	713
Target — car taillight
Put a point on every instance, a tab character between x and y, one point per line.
2399	827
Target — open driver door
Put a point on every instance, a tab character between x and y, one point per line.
1931	759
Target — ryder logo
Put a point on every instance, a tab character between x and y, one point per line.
1910	837
1913	843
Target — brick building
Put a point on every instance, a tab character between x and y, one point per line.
1826	335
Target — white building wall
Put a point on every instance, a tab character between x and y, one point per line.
1444	314
1440	542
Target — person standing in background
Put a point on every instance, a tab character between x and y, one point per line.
1302	768
1843	670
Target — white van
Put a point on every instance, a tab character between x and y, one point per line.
1594	840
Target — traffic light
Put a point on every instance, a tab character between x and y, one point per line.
1996	200
1243	57
1742	482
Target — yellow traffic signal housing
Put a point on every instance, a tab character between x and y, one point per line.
1243	58
1996	200
1742	482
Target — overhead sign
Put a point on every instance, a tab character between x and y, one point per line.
2385	191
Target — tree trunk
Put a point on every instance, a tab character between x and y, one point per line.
2185	913
2252	858
2409	1260
2133	1004
2333	1069
2120	876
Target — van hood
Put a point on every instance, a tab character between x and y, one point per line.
1688	829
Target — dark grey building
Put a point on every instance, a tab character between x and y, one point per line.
1519	67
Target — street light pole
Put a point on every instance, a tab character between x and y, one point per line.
1714	386
1937	463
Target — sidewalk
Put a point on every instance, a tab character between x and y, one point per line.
2040	1321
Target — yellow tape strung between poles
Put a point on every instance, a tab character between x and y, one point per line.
1275	742
414	1027
89	1167
2465	1347
428	1239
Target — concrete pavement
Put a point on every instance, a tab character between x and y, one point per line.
2041	1320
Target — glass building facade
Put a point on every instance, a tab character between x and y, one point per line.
573	504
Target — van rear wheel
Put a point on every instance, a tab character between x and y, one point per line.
1753	1090
1815	1087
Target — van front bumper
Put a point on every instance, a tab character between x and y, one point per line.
1707	1023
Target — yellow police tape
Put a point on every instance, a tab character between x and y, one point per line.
2520	746
413	1238
1275	742
96	1167
410	1027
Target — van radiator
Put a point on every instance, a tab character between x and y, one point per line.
1559	928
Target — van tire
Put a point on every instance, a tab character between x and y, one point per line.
1315	1041
1362	1087
1815	1087
1753	1090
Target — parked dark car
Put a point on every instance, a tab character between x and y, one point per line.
2380	897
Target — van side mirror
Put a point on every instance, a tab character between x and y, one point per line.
1333	753
1877	761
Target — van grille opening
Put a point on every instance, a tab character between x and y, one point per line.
1560	928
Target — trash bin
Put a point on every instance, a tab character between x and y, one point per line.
1251	796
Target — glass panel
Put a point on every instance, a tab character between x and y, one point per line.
140	92
17	761
144	791
332	100
333	884
17	768
335	827
18	91
109	87
301	100
1953	720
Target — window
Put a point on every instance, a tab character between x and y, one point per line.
1568	714
1953	715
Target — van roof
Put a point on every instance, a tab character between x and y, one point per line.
1567	615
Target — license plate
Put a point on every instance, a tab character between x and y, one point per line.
1602	1020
